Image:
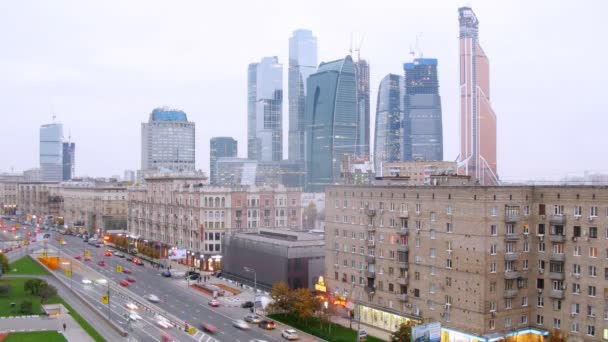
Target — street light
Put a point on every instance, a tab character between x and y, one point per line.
255	283
69	263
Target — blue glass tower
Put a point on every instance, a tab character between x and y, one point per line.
331	121
220	147
388	136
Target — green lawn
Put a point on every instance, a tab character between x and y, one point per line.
338	332
27	265
84	324
36	336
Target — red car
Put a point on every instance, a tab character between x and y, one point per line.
101	263
208	328
88	259
108	253
214	303
78	257
126	270
124	283
131	279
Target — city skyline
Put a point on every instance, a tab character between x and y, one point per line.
100	82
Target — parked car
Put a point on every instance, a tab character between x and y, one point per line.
267	324
193	275
124	283
166	274
208	327
255	319
290	334
214	303
240	324
247	305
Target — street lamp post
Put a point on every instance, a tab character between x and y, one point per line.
71	274
255	283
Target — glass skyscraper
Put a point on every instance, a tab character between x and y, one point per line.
168	141
363	108
265	110
302	64
51	152
388	136
423	130
220	147
331	121
69	160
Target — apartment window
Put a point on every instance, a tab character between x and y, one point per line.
524	301
508	303
526	247
578	211
416	275
418	208
593	212
448	281
591	290
525	264
508	322
576	231
540	301
492	324
433	216
448	245
541	246
575	308
540	320
494	230
526	229
590	311
493	249
577	250
448	227
605	273
493	267
432	233
576	288
433	271
448	263
541	229
541	209
337	232
576	269
593	232
416	293
574	327
591	330
450	209
592	271
433	252
558	210
526	212
417	242
492	286
593	252
493	211
557	323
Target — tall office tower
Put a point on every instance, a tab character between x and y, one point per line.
423	136
388	136
220	147
302	63
331	121
265	110
167	141
51	152
129	176
477	119
363	128
69	160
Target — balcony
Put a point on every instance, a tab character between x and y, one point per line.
370	259
557	219
404	214
557	257
556	276
403	264
370	289
370	228
509	293
403	248
371	243
370	212
511	256
371	274
511	218
511	237
556	294
403	231
557	238
402	297
402	280
511	274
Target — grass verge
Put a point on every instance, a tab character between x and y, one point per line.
82	322
27	265
314	327
35	336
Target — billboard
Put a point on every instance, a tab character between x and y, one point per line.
430	332
177	254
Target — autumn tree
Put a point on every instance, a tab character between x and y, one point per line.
304	304
4	263
281	294
403	334
46	291
556	335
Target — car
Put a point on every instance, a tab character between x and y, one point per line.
126	270
120	255
129	259
101	263
255	319
166	274
124	283
131	279
131	306
247	305
267	324
290	334
98	245
63	242
134	316
137	261
86	281
240	324
208	328
101	281
88	259
214	303
152	298
108	253
78	257
162	322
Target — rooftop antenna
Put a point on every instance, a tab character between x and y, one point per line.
415	50
358	50
350	49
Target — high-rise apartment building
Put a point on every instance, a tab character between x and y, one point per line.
51	152
265	110
363	108
477	118
487	262
331	121
168	141
423	136
220	147
388	137
302	63
69	160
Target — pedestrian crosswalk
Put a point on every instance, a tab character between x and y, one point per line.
202	337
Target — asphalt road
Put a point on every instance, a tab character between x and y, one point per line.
176	299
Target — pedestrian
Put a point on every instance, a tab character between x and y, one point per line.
64	326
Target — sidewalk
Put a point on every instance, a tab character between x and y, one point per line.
73	331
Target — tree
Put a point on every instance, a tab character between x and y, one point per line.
46	291
4	263
33	286
26	307
403	334
304	304
556	335
281	293
5	289
310	216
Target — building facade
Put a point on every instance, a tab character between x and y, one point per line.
418	172
69	161
331	121
51	152
168	141
35	199
302	63
363	108
423	137
8	192
239	171
265	110
220	147
487	263
388	137
477	118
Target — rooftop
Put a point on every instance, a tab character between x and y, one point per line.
167	114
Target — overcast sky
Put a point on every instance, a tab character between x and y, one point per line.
102	66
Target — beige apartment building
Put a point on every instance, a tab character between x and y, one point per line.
8	193
34	200
488	263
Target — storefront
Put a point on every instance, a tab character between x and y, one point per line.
382	318
523	335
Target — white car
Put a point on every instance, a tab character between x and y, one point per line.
163	322
153	298
102	281
239	323
290	334
86	281
132	306
134	316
